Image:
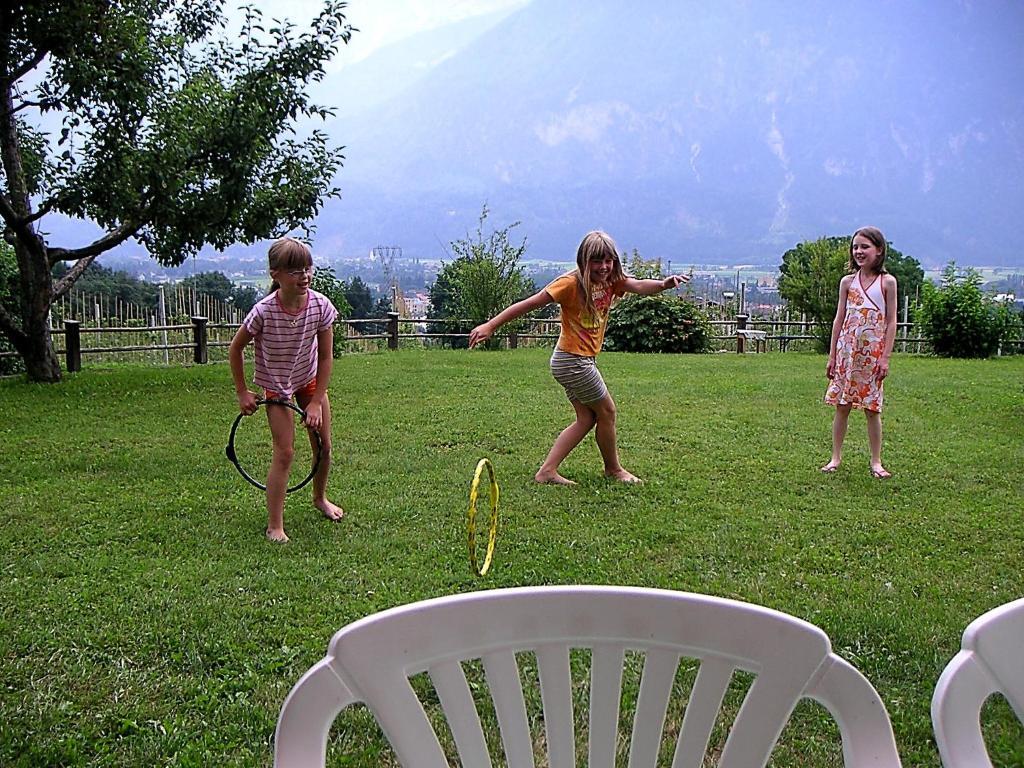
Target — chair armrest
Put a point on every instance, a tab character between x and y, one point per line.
959	696
304	724
860	713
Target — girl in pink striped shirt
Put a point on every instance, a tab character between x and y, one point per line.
292	329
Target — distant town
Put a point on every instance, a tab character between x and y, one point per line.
387	272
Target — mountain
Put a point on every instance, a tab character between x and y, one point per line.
701	132
383	76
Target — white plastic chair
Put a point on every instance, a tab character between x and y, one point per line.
991	660
371	661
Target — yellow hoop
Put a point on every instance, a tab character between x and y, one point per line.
492	535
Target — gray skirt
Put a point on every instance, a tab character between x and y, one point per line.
579	376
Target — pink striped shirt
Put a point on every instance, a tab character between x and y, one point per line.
285	342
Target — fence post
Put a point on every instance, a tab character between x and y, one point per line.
906	310
199	354
392	330
72	346
741	325
513	340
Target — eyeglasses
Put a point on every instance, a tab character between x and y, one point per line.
297	273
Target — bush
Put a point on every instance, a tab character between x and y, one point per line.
959	320
326	282
485	277
657	324
9	302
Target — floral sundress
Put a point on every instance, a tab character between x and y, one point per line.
859	348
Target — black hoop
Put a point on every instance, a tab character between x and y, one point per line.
233	457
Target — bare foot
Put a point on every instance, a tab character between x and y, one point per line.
330	510
880	472
552	478
829	468
277	535
623	476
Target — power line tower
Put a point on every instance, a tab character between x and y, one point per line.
387	254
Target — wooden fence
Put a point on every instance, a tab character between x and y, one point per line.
201	341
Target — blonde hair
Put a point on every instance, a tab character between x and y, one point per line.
595	245
288	253
874	234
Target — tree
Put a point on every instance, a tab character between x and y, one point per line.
484	278
810	274
173	133
959	320
639	267
100	280
326	282
244	297
359	298
381	308
214	284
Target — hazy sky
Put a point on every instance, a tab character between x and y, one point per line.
382	22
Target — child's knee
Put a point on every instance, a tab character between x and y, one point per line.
283	454
325	451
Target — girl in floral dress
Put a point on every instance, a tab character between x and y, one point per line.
863	333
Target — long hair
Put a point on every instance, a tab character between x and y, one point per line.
595	245
288	253
874	234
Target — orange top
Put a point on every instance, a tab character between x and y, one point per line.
582	334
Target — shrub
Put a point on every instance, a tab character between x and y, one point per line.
9	303
485	277
657	324
326	282
959	320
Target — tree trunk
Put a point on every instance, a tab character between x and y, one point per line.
41	363
34	342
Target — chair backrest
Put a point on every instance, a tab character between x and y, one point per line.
991	660
372	660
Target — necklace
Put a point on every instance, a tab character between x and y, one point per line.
293	319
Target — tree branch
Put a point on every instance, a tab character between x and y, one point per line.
26	104
29	65
113	238
44	209
83	257
11	219
19	225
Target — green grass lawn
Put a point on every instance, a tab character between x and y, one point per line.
146	622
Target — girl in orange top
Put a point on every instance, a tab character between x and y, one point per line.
585	297
863	334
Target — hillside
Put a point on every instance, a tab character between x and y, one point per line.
729	131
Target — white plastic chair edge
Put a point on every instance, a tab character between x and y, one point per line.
860	713
324	696
959	695
961	691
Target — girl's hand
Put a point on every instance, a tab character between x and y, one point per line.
673	281
481	333
314	415
830	369
247	402
882	369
